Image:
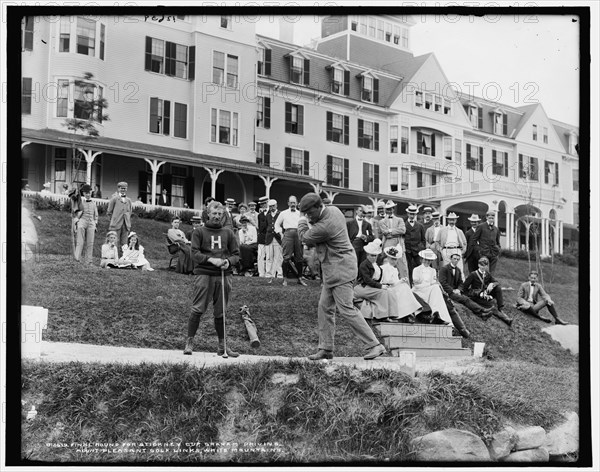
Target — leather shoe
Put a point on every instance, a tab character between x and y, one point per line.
559	321
301	282
374	352
438	320
543	318
410	319
285	282
321	354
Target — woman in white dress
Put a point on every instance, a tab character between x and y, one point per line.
426	286
133	254
403	305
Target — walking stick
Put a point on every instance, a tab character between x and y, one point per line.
225	355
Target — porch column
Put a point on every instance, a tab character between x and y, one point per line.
90	156
544	234
268	182
214	175
375	202
556	243
510	230
317	188
154	166
560	237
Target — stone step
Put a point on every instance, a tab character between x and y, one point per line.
408	342
431	352
416	330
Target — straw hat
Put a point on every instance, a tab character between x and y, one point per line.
374	247
428	254
389	204
452	216
412	209
394	252
474	217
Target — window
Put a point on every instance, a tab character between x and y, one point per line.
263	115
458	151
226	21
27	33
573	144
388	32
437	103
404	175
338	128
372	27
475	115
434	179
340	81
337	171
500	124
551	173
394	139
174	60
354	25
474	157
448	148
420	179
223	127
447	106
428	101
160	116
500	163
225	62
86	36
85	106
419	99
404	38
263	154
180	128
26	96
575	213
370	89
380	30
393	179
297	161
264	63
62	99
299	70
545	135
368	135
404	145
396	35
64	43
528	167
363	25
370	177
534	133
294	118
576	180
178	178
60	165
425	143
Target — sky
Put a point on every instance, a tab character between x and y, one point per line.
515	60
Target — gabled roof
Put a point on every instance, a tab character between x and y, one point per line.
527	111
563	131
407	67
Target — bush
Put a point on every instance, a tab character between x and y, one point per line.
186	216
519	254
38	202
568	259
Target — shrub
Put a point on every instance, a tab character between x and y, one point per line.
568	259
519	254
160	214
38	202
186	216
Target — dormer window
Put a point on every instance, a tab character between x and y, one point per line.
369	88
572	144
340	80
299	69
500	123
226	22
534	133
264	61
475	114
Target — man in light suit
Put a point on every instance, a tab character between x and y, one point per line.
451	240
391	232
273	248
528	296
487	236
472	255
379	215
414	240
360	233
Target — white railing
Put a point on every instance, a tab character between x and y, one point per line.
57	197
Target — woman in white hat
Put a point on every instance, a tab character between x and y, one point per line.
402	303
426	286
368	286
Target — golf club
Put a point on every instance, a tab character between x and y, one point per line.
225	355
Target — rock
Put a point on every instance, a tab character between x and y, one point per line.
530	438
539	454
502	443
564	439
453	445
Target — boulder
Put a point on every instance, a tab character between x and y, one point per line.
502	443
564	439
451	445
539	454
530	438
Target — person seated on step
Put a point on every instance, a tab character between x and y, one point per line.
248	239
402	303
110	251
532	298
185	264
481	287
133	254
368	284
427	287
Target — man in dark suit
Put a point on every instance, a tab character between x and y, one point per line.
488	237
164	199
451	281
414	240
360	233
481	287
261	235
528	301
427	218
472	253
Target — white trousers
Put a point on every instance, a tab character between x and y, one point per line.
274	261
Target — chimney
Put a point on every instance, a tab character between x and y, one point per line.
286	29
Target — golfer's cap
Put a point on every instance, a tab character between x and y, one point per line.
309	200
272	202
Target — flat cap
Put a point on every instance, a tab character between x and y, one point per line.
309	200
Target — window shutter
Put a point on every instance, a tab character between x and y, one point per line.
480	159
166	117
346	83
360	133
346	173
376	178
329	126
170	59
376	132
143	185
192	62
375	90
420	143
468	152
266	112
365	177
505	164
267	62
433	144
520	165
189	191
329	177
300	119
479	117
306	162
493	158
288	159
346	130
556	181
288	117
148	53
306	72
505	125
266	154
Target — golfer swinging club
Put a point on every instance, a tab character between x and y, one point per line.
215	252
